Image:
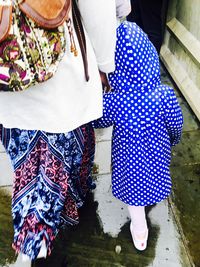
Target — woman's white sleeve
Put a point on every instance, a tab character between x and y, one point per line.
123	8
99	19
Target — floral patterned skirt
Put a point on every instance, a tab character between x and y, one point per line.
52	174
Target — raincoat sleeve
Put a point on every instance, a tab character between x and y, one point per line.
107	120
99	19
173	116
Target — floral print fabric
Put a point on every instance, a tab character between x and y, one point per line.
52	174
29	54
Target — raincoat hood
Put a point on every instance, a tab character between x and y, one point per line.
136	59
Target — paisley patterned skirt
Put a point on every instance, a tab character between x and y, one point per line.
52	174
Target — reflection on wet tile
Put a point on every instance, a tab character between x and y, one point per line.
186	196
90	245
188	151
7	255
87	246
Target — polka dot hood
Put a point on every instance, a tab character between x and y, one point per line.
146	119
137	63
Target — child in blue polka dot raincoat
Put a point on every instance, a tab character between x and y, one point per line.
147	121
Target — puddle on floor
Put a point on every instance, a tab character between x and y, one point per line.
186	197
87	245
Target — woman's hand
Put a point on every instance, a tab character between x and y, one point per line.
105	83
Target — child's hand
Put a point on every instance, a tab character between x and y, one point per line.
105	83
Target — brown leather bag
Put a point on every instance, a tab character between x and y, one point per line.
51	14
47	14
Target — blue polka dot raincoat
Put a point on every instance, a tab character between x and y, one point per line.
146	120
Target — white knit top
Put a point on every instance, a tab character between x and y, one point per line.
67	101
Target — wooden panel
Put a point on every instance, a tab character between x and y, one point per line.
185	38
190	91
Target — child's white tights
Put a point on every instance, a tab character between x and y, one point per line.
138	219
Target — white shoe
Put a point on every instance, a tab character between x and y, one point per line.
140	244
43	250
25	258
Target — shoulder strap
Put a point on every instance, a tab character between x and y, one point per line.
81	36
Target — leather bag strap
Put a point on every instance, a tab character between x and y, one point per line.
81	36
5	21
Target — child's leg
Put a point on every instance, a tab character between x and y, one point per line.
138	226
138	219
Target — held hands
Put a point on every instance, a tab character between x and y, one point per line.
105	83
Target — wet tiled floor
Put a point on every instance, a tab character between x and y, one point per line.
185	170
186	194
102	238
6	233
89	245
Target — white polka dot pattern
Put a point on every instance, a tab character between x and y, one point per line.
146	119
